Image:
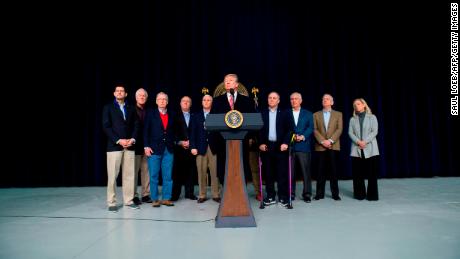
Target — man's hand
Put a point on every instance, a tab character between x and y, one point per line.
299	138
124	143
185	144
194	151
327	144
263	147
284	147
148	151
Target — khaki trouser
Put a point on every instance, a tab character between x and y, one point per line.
115	159
203	162
141	163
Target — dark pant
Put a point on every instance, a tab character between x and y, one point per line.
275	168
301	164
327	168
184	173
361	169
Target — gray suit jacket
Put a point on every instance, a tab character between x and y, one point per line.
370	130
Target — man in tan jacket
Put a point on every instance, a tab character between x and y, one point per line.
328	125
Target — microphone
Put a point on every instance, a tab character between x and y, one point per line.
232	91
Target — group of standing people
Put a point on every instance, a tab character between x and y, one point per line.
154	140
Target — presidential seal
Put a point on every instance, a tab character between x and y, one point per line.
233	119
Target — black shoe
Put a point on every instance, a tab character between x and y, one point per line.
146	199
201	200
269	201
317	198
284	203
337	198
133	206
307	199
191	197
216	199
137	201
113	208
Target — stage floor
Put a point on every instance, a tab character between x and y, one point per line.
414	218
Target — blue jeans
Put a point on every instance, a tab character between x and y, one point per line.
165	162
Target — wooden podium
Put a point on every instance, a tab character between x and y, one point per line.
234	210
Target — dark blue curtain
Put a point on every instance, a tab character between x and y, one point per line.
396	56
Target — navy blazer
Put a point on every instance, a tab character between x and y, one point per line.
155	136
304	127
283	128
200	138
116	127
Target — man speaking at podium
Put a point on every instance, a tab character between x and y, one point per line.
231	100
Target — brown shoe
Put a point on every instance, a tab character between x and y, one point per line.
216	199
156	204
167	203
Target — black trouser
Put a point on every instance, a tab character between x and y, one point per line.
184	172
275	168
327	168
361	168
301	164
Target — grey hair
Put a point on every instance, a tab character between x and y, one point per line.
205	96
296	93
160	93
332	98
141	90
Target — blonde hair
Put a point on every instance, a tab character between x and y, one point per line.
232	75
366	107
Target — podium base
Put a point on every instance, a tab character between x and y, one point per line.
235	222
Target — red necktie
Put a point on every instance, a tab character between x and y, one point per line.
230	100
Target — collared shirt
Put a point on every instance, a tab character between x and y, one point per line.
272	124
187	117
296	116
122	107
234	96
205	113
326	117
164	117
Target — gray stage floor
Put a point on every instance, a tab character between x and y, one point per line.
415	218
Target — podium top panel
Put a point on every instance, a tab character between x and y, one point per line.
251	121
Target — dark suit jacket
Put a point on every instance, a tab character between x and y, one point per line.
242	104
140	136
182	131
282	128
304	127
155	136
200	138
116	127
